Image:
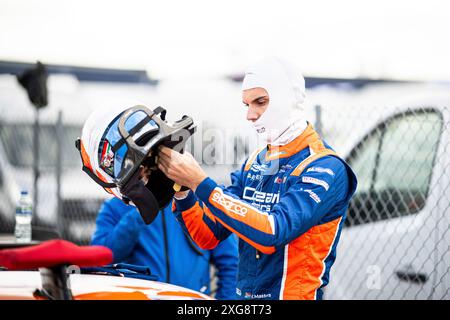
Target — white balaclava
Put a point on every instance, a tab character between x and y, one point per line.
284	117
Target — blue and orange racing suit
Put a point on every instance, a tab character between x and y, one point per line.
287	205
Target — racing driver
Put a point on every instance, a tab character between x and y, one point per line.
287	203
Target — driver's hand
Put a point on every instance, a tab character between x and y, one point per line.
182	168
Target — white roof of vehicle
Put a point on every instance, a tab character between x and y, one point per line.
76	99
347	116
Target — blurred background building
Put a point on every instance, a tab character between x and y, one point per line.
378	90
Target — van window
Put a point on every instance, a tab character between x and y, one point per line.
394	180
365	161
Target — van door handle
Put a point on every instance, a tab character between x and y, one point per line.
411	276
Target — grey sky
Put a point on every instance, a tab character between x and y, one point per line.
173	39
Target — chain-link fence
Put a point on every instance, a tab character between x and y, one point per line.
67	202
395	243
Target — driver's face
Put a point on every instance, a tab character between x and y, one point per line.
257	101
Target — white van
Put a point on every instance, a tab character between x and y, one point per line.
395	244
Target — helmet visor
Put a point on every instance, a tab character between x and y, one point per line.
113	149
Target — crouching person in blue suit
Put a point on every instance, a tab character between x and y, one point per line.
165	249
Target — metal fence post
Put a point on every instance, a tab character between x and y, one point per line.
318	124
58	168
36	129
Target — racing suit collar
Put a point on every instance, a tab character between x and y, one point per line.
308	138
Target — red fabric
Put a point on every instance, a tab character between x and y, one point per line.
55	252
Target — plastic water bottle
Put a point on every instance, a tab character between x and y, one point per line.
24	212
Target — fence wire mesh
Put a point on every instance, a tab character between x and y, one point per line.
69	206
395	243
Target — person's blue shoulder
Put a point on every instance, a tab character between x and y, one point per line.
114	207
117	204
